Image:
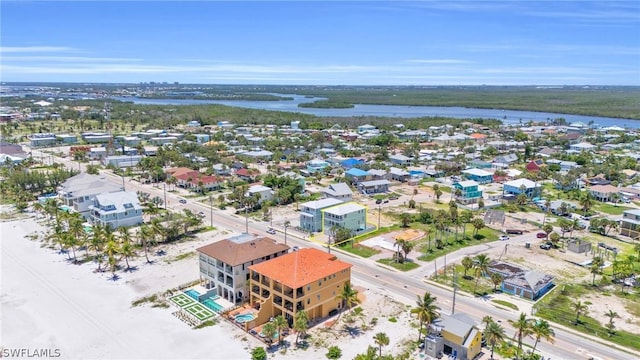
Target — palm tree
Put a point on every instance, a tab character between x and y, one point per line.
548	229
348	295
586	202
596	268
610	326
496	279
580	308
494	334
478	224
126	249
481	266
280	323
467	263
301	324
269	330
112	250
426	311
523	329
398	245
369	355
381	339
145	234
542	330
405	219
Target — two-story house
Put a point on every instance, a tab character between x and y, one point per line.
339	191
317	165
604	193
467	192
349	216
116	209
522	186
374	187
307	279
478	175
78	192
311	213
264	192
357	175
224	265
630	224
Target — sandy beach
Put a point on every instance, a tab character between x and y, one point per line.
48	302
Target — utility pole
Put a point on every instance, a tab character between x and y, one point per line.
164	186
455	289
211	209
286	226
123	188
246	218
435	267
379	210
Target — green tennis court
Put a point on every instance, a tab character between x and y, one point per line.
199	311
182	300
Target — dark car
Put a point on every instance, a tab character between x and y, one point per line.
545	246
379	201
541	235
514	232
183	201
394	197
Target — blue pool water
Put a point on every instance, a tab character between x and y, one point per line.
211	304
192	294
242	318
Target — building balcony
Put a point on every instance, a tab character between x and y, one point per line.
255	290
255	277
265	293
299	292
265	281
289	293
277	287
277	300
288	305
299	306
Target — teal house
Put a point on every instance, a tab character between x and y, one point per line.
468	193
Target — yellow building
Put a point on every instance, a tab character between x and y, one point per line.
455	335
307	279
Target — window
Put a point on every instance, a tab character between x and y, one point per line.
320	283
318	297
308	301
308	287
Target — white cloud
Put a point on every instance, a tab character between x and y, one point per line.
33	49
439	61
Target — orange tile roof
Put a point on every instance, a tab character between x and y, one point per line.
301	267
478	136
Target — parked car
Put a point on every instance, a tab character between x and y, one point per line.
514	231
394	197
541	235
545	246
295	248
183	201
379	201
385	201
201	214
271	231
504	238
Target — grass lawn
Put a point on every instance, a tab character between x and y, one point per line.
450	245
359	250
405	266
464	284
610	209
557	307
505	304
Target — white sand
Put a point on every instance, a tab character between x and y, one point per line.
47	302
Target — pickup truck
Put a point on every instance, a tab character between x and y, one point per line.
514	231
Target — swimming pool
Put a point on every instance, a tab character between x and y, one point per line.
192	294
211	304
243	318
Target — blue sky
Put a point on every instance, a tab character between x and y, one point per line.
322	43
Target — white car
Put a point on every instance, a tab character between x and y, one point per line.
271	231
504	238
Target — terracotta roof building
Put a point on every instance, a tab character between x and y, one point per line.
225	264
308	279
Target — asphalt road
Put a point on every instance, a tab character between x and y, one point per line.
568	345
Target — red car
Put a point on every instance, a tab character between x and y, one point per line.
541	235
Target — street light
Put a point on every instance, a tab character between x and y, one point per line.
286	226
211	208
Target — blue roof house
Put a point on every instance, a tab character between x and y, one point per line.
469	192
478	175
351	163
357	175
